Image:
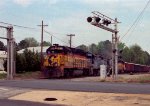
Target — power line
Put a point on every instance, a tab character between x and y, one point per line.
137	19
129	37
19	26
55	36
25	27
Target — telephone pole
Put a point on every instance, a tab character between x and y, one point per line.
70	41
42	26
116	48
51	40
113	55
10	53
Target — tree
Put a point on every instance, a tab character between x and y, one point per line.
126	54
146	57
20	63
136	52
93	48
32	60
28	42
2	47
32	42
121	46
105	48
83	47
46	43
23	44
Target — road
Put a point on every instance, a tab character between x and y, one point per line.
6	92
6	102
67	85
10	88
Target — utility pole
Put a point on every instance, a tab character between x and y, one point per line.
70	41
113	55
116	48
10	53
42	43
51	40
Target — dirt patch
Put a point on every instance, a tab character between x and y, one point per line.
85	98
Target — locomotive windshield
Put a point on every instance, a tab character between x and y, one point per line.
55	50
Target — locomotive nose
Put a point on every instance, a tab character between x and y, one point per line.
52	60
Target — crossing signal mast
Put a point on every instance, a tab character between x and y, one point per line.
10	52
102	21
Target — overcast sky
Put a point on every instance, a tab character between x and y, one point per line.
69	17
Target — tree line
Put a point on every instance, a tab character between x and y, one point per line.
132	54
30	61
27	61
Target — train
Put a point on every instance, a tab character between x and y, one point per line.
127	67
63	61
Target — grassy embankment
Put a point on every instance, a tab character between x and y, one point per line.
25	75
139	78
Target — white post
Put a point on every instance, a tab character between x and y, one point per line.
102	71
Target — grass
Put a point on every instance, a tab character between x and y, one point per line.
137	78
102	80
3	75
25	75
28	75
143	79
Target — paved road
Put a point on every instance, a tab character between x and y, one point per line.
5	102
6	92
79	86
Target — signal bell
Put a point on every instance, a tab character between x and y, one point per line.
89	19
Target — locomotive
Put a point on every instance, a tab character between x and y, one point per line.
63	61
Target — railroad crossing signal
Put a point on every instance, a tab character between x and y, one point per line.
102	21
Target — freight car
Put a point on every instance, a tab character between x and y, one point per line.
126	67
61	61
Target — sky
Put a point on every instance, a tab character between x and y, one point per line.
65	17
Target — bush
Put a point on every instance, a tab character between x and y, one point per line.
20	63
26	62
32	61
